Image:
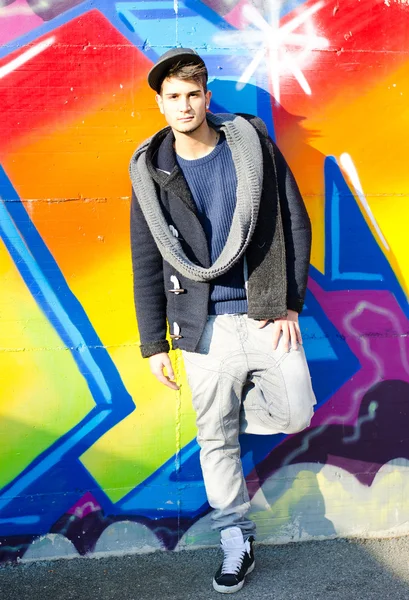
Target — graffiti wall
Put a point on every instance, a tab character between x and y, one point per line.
95	455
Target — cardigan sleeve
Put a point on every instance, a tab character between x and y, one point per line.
148	285
297	233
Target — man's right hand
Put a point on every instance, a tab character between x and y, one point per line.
159	362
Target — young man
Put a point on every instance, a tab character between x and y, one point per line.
220	248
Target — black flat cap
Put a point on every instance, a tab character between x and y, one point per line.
183	55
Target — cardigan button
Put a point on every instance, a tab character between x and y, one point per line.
176	286
176	332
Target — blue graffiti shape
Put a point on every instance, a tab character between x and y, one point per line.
48	287
353	257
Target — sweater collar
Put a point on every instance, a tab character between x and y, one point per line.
161	156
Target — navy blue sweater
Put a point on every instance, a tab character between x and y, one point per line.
213	183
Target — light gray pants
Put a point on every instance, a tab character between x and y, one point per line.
240	385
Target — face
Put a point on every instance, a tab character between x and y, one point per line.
183	103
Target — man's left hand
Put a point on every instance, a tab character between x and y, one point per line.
290	329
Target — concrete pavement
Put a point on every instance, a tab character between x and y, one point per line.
336	570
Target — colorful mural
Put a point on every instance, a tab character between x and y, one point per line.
98	457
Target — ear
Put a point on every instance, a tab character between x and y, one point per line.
208	97
159	102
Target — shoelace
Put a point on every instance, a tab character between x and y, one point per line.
233	559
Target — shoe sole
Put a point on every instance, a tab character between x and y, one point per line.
230	589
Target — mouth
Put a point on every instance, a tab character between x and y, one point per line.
185	119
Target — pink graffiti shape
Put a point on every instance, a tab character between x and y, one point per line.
86	505
16	19
375	329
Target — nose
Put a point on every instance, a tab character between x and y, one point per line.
184	104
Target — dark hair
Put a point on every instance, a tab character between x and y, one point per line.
184	71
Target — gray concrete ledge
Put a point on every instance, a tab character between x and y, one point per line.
336	570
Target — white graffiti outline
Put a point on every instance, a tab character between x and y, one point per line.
13	11
16	63
276	44
354	437
80	510
350	169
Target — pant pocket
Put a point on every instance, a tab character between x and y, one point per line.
274	406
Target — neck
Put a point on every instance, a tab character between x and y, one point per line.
197	144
